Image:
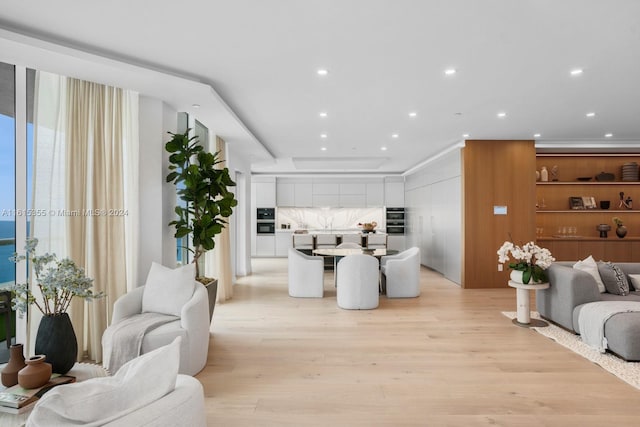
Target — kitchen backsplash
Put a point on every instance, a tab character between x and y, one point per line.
328	218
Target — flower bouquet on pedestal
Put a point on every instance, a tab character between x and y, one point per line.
530	261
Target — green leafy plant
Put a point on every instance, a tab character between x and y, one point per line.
204	189
58	281
617	221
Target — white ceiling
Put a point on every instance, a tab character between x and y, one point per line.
385	58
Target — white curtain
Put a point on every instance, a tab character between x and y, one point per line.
86	138
218	261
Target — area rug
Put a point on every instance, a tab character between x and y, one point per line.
626	371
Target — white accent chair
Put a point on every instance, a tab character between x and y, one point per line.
192	326
306	275
357	282
400	274
376	240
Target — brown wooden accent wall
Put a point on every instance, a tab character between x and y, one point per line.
495	173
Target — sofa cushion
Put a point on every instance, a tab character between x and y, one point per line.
97	401
614	279
590	266
167	290
634	282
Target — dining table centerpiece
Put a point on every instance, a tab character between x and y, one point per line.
529	261
57	282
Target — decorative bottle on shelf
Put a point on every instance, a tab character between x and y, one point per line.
16	362
36	374
544	174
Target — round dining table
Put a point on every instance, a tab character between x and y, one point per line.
338	253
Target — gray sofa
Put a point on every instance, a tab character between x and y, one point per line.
569	289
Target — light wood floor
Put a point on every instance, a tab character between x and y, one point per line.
447	358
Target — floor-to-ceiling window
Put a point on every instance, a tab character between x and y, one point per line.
7	176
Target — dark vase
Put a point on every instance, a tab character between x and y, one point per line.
621	231
57	340
16	362
36	374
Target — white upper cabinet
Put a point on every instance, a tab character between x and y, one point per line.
265	192
285	194
374	194
394	194
303	195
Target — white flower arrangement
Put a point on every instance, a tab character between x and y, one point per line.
58	280
531	259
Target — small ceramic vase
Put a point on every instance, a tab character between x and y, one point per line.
16	362
36	374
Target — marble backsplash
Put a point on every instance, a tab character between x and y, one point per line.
339	219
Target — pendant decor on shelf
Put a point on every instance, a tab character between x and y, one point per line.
57	340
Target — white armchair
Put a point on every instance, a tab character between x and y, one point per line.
400	274
192	325
306	275
357	282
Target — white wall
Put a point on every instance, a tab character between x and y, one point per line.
433	197
157	198
240	222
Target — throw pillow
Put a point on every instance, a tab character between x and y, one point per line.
613	278
167	290
590	266
98	401
634	281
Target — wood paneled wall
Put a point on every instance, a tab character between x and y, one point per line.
495	173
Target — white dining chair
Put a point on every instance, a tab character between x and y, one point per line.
400	274
357	282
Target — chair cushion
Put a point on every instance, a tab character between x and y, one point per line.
167	290
97	401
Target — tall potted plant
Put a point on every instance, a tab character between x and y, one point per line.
208	202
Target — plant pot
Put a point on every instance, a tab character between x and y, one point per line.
16	362
212	292
57	340
36	374
621	231
516	276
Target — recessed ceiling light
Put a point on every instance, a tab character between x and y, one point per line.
323	72
395	136
323	114
383	148
502	115
195	105
591	114
323	135
465	135
577	72
323	148
536	135
413	114
450	71
608	135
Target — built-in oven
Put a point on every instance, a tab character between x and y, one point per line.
266	214
266	227
395	220
266	221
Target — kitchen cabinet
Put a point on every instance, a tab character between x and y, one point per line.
375	195
265	246
265	193
285	194
394	194
303	195
284	241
